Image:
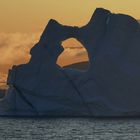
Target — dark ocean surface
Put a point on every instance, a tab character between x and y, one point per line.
69	129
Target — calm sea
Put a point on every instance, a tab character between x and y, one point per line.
69	129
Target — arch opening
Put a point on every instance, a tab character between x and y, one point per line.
74	56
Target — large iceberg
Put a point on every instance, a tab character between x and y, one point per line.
110	86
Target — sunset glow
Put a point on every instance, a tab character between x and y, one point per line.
33	15
23	21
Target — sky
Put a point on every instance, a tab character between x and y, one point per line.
22	21
33	15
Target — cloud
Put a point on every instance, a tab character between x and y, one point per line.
3	78
75	52
15	48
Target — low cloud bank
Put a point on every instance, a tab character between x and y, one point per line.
15	47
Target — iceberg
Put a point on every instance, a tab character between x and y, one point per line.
108	88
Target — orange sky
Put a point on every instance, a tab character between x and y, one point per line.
33	15
22	21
